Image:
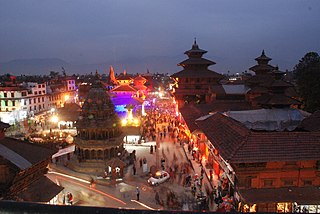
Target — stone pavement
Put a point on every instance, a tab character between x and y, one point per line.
166	149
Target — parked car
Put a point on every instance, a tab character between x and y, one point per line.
160	177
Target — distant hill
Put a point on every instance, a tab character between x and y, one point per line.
32	66
155	64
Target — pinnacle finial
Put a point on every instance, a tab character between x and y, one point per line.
195	40
262	54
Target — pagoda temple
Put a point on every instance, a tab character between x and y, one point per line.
267	87
99	136
194	81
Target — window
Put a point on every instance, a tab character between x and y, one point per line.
34	100
38	99
5	94
307	182
24	94
39	92
34	107
12	94
44	91
30	108
42	99
35	92
39	86
288	182
43	86
268	183
6	103
13	103
30	101
39	107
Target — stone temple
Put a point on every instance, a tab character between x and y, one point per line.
99	139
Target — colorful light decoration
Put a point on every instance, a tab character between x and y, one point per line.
130	120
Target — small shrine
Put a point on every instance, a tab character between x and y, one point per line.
99	136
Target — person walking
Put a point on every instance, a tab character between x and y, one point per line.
138	193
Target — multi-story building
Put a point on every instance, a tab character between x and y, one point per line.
13	103
264	171
19	101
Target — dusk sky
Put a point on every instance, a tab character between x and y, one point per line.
124	32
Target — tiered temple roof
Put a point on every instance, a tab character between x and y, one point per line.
195	65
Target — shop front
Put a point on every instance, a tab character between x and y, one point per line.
280	200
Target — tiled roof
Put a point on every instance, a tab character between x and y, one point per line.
12	88
237	144
197	73
301	195
14	158
196	61
262	67
276	99
262	79
279	146
192	112
124	77
33	153
140	78
291	92
126	88
259	90
217	89
312	123
226	134
42	190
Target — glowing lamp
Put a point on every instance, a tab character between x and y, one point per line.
66	97
54	119
124	122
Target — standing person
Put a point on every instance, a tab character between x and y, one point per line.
134	169
140	162
138	193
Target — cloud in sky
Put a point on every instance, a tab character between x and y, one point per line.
233	32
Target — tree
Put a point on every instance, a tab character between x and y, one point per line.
307	76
